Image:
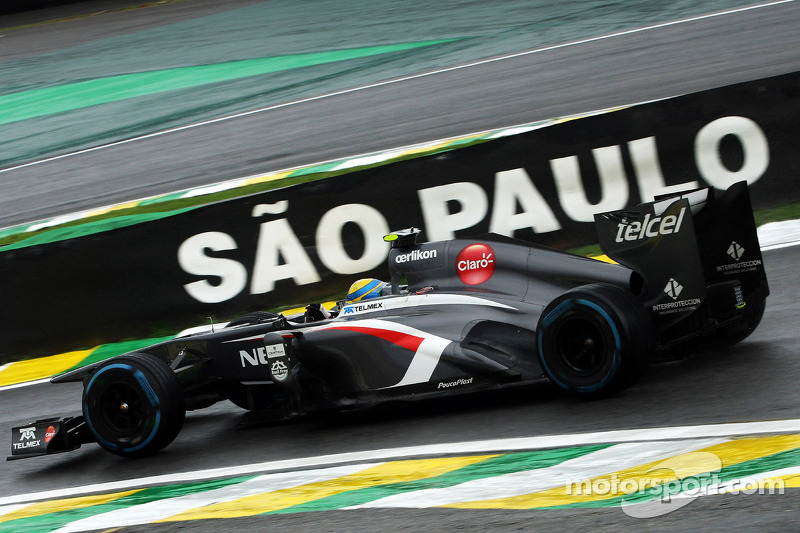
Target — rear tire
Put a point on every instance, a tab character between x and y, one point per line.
594	340
134	405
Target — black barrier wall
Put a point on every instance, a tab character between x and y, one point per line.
308	242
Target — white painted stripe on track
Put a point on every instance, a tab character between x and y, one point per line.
776	235
403	79
739	484
485	446
615	458
165	508
11	508
25	384
779	246
761	483
370	159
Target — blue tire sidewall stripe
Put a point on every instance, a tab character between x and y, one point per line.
559	310
151	396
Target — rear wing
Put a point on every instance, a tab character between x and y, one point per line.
682	244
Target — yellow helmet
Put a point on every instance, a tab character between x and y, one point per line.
364	289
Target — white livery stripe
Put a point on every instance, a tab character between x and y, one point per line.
417	300
425	360
244	339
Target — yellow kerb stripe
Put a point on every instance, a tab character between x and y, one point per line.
661	471
41	368
53	506
441	145
266	177
384	474
791	481
111	208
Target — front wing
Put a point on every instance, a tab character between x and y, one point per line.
48	436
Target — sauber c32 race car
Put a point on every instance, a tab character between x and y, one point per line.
458	316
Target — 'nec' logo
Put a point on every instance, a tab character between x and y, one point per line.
27	433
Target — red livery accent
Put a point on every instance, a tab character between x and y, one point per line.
404	340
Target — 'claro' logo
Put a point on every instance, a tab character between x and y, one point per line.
475	264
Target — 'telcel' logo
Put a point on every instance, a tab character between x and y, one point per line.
475	264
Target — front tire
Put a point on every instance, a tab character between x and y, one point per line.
594	340
134	405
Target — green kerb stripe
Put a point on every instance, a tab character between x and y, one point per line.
53	521
117	348
49	100
748	468
496	466
90	228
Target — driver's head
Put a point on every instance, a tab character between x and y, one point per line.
364	289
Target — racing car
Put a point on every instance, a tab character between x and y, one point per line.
456	316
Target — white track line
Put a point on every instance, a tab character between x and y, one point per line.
479	447
402	79
164	508
616	458
24	383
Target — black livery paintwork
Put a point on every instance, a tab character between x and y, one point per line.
478	313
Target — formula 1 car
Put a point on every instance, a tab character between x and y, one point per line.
458	316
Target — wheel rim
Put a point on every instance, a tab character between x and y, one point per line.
123	409
581	346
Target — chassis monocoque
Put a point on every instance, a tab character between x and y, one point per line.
471	314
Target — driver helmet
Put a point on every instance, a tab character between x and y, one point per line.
364	289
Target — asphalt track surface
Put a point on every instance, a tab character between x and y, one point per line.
753	381
598	74
756	380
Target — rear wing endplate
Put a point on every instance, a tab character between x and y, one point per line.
47	436
680	244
